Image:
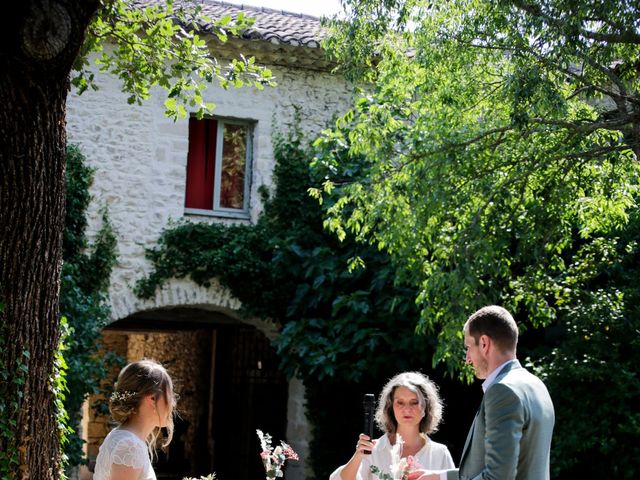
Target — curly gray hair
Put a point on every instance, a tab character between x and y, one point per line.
428	398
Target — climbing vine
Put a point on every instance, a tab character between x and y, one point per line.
346	319
12	394
337	322
85	279
60	390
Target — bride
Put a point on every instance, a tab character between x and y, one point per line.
143	402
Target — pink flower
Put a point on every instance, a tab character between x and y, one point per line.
289	453
412	465
273	459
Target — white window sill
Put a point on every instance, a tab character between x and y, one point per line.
235	214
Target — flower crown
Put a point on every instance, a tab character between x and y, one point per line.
122	396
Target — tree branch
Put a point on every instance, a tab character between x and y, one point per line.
626	36
589	127
623	37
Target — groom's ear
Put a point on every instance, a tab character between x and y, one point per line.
484	342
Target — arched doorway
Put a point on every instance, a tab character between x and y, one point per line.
227	376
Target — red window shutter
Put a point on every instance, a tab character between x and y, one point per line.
201	163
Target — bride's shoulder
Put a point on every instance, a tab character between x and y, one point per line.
119	439
120	447
128	449
118	434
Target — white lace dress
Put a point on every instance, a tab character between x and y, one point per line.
121	447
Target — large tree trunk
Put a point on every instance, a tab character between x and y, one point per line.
39	42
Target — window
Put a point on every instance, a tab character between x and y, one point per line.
218	168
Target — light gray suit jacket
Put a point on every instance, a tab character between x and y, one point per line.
510	437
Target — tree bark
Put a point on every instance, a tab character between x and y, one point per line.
38	45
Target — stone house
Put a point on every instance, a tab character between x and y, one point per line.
148	172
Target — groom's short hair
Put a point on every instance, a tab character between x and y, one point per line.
495	322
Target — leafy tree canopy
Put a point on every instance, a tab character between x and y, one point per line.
168	45
495	143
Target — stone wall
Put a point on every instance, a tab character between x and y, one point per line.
139	157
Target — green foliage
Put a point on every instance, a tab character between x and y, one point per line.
85	279
11	387
382	476
596	359
354	43
288	268
166	46
202	251
496	161
78	181
60	391
483	167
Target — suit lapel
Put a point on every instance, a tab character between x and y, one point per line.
467	443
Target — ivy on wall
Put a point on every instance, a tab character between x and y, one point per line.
85	279
288	268
340	325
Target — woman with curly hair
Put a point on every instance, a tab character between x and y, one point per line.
409	408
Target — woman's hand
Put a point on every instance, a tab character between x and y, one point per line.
365	444
350	469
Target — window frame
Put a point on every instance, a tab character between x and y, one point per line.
217	210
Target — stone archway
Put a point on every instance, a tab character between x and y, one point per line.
227	375
177	293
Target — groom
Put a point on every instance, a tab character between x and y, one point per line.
510	437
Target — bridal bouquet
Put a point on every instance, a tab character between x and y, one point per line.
400	467
273	458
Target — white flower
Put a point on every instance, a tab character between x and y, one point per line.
397	467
